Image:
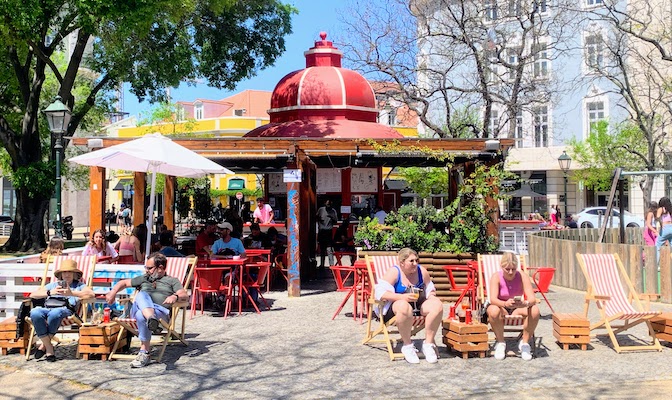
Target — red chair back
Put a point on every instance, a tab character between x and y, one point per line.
126	259
543	276
209	280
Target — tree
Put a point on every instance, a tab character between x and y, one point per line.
150	44
454	59
630	62
165	118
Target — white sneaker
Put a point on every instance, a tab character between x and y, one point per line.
430	352
525	351
141	360
500	351
410	353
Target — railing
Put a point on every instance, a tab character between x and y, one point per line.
6	229
14	288
558	249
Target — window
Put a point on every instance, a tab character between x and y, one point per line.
239	112
540	126
387	116
595	111
180	113
540	6
491	65
593	3
512	59
8	197
493	124
514	8
490	10
594	50
540	54
198	110
518	129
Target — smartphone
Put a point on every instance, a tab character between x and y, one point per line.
63	284
518	299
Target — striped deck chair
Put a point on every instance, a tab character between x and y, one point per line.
178	267
488	264
377	266
604	274
71	324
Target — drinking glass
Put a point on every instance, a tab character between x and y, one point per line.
415	294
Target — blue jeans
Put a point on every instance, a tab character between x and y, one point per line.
142	301
665	235
47	320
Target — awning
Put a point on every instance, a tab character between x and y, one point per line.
236	184
123	182
396	184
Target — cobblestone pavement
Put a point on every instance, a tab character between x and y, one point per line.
297	351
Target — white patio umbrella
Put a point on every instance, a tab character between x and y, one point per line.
153	154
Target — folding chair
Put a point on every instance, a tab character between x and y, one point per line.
86	264
542	278
488	264
377	266
604	274
178	267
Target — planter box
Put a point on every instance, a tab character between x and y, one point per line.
98	339
465	338
8	338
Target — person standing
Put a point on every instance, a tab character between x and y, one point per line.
264	213
650	230
553	215
326	218
664	214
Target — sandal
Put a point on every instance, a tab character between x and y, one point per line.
39	353
51	358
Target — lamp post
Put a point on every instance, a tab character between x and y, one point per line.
58	117
565	161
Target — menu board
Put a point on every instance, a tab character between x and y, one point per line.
328	180
275	184
364	180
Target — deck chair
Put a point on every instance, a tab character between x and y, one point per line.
178	267
377	266
71	324
488	264
604	277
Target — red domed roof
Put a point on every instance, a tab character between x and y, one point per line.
324	100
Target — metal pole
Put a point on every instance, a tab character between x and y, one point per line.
566	214
58	147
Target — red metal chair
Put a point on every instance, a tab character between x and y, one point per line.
542	278
469	288
279	265
250	282
209	281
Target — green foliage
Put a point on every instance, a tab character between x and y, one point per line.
165	119
38	179
215	193
421	228
605	150
202	200
425	181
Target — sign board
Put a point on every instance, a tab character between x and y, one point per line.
364	180
239	195
275	184
328	180
346	210
291	175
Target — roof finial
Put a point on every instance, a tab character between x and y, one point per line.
323	35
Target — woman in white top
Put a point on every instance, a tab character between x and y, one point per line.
99	246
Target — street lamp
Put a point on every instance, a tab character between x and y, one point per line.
565	161
58	117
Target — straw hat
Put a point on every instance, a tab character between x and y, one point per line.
68	265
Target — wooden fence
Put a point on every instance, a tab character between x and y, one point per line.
558	249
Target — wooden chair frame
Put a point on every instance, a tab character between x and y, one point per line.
603	271
176	266
380	264
87	264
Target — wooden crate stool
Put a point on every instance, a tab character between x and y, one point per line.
98	339
8	338
571	329
465	338
662	325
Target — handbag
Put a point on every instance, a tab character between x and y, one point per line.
56	302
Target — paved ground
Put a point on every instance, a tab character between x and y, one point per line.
297	351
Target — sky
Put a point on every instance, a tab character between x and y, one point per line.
313	17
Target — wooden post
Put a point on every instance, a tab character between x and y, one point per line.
96	198
168	202
139	184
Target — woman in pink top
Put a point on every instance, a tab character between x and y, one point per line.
99	246
511	293
650	229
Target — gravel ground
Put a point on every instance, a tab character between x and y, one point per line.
295	350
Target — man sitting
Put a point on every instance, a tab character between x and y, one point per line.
157	291
167	240
227	245
257	239
206	238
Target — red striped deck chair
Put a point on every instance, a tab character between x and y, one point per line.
178	267
377	266
605	276
71	324
488	264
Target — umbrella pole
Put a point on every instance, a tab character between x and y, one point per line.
150	213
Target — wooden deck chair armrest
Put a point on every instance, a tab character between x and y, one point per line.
648	296
598	297
180	304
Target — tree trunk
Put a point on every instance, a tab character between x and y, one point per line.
28	235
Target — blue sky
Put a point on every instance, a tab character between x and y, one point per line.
314	16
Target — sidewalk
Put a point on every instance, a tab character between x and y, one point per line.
297	351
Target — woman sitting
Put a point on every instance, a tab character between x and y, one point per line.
47	320
54	248
396	288
511	293
129	245
99	246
